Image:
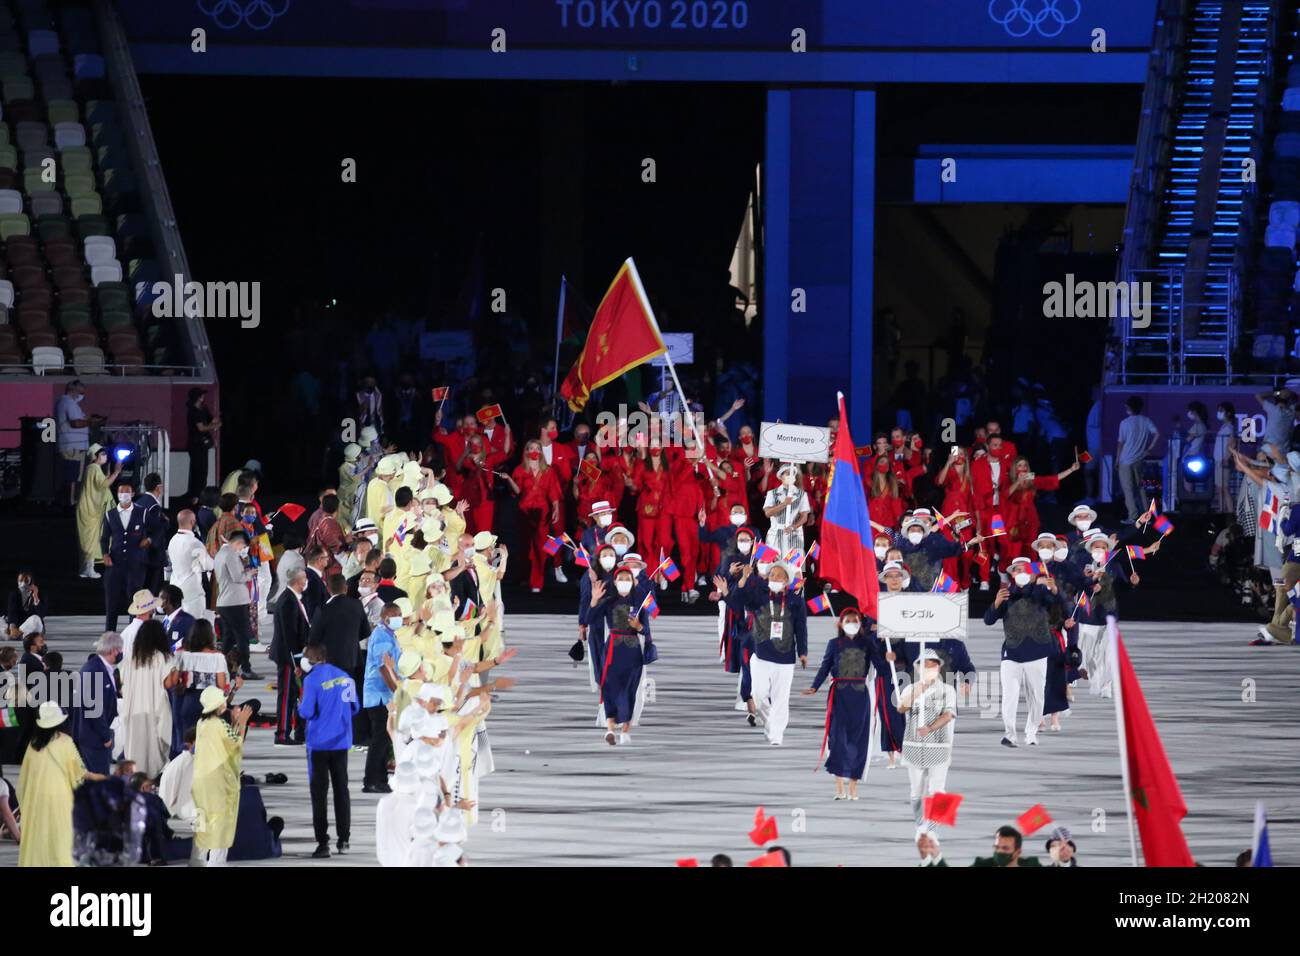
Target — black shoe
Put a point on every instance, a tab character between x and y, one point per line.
289	743
1008	742
749	718
322	852
377	788
343	846
251	675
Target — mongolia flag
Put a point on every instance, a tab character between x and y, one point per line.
623	335
1084	603
998	526
1260	854
1164	525
815	551
552	545
818	604
848	560
766	553
1037	567
581	558
1135	553
668	568
1157	802
793	556
944	584
649	606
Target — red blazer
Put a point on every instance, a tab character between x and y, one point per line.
536	492
981	476
886	510
565	462
651	489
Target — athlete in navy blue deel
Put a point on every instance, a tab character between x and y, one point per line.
329	702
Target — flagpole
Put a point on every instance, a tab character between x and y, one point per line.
559	331
668	359
1112	637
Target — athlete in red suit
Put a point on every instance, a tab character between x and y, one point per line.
958	495
885	501
476	467
650	482
990	483
538	489
1022	519
685	505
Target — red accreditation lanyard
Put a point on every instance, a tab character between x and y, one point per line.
830	706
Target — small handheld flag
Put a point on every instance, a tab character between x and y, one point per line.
1083	456
774	858
1037	567
590	471
688	861
400	533
1033	819
1260	854
766	553
1135	552
291	511
942	808
581	558
1163	525
997	526
764	832
944	584
488	413
471	610
440	393
815	551
818	604
793	556
649	606
552	545
668	568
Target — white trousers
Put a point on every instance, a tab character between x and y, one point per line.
33	625
1095	647
194	601
925	783
771	689
263	588
1032	676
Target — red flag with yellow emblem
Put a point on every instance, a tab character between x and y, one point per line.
623	335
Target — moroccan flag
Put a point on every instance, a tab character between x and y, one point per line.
1157	802
764	832
688	861
1033	819
942	808
847	538
623	335
292	511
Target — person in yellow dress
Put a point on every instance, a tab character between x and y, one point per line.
218	756
379	496
51	771
92	504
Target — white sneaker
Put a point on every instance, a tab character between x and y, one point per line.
663	585
90	572
624	739
559	576
536	590
984	585
692	596
740	706
774	743
610	738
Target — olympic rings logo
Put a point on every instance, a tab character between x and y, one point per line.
254	14
1049	20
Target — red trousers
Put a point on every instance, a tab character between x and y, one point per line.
534	528
653	534
687	531
479	517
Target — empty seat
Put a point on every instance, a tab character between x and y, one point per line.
47	359
53	227
69	134
1280	236
90	205
30	135
88	360
26	277
14	224
1286	213
44	204
6	293
100	249
88	66
106	272
40	42
11	200
22	250
16	88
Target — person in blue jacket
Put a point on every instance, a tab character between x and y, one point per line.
603	561
329	702
924	552
1023	605
780	635
734	626
849	656
621	626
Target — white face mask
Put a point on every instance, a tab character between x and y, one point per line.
365	591
373	539
1046	554
124	497
1099	557
881	551
620	549
1060	554
624	588
1022	580
744	546
776	587
787	480
1220	415
738	518
607	561
915	536
1083	524
852	628
764	567
393	623
605	520
242	551
467	554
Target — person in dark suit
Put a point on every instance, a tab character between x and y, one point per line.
96	706
154	503
340	626
291	630
124	539
316	594
177	622
387	590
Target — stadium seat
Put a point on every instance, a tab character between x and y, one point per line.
21	250
26	277
14	224
106	272
11	200
6	294
42	41
69	134
83	206
47	359
100	250
46	204
88	360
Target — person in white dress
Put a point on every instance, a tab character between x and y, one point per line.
788	510
189	559
146	710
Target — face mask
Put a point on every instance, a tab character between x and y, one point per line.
1191	416
1220	415
787	480
581	438
852	628
373	539
744	546
534	455
552	432
1099	557
1001	859
738	519
764	567
607	561
1046	554
624	588
896	442
1022	580
467	554
883	467
365	591
1083	524
620	549
605	520
124	497
243	552
915	537
393	623
776	587
881	551
1060	554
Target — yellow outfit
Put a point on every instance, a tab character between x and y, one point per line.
45	785
378	498
453	525
92	505
218	756
349	479
231	485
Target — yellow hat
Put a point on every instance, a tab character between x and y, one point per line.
408	663
441	494
211	699
484	540
404	605
411	474
386	465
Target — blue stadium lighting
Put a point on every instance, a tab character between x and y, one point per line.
1196	466
121	454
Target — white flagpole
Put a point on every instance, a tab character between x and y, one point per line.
559	331
1112	636
668	359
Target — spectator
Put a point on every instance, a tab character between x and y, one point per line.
329	702
25	610
1279	409
72	431
1137	438
51	771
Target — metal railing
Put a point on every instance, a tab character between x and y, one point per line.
1165	293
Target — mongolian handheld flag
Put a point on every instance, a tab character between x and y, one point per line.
1163	525
1151	509
623	335
942	808
1037	567
997	526
291	511
765	553
581	558
1135	553
564	536
815	551
668	569
1084	603
649	606
1033	819
944	584
818	604
848	561
793	556
440	393
488	414
552	545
